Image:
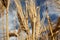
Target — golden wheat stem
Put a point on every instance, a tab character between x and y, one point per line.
7	28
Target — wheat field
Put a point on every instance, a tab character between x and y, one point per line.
31	27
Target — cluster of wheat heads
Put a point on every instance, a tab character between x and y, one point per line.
31	11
